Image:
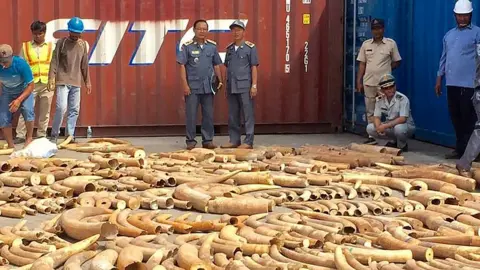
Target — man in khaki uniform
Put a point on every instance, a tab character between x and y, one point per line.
377	56
38	55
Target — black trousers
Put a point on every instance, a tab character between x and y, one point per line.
462	114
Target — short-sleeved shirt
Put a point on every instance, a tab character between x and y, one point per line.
17	76
378	58
397	107
239	61
199	60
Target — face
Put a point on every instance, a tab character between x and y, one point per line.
74	36
237	33
389	91
6	63
38	36
201	30
378	31
463	19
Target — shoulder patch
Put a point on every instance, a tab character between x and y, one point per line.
188	42
399	97
249	44
212	42
229	45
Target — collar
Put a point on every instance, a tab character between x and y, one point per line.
391	102
33	43
468	26
241	45
383	40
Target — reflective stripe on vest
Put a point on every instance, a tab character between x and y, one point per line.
40	64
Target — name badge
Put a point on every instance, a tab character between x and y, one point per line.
195	52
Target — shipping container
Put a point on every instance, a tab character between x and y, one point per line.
136	82
418	27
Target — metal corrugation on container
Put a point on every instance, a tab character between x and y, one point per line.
136	79
418	27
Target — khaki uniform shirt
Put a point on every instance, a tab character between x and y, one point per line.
398	106
379	58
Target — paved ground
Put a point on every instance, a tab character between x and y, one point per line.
419	153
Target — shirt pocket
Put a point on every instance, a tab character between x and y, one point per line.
194	82
243	81
193	59
369	53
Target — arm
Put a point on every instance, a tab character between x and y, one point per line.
52	73
217	61
404	114
377	113
27	76
362	58
183	76
361	72
396	58
182	60
254	74
443	60
84	68
254	63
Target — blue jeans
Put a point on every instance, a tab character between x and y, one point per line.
26	108
68	101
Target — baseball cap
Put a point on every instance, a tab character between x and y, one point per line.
386	80
6	52
238	23
378	23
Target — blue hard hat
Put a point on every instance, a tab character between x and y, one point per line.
75	25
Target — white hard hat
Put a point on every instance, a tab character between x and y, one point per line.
463	7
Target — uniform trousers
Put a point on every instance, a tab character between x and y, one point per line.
399	133
44	105
370	94
236	104
462	115
191	103
473	147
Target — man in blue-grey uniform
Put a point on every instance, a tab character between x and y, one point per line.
392	116
241	62
200	63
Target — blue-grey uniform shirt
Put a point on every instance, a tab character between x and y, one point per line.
458	62
397	107
199	63
239	67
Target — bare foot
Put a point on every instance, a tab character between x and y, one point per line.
27	142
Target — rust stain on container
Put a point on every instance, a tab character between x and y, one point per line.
133	45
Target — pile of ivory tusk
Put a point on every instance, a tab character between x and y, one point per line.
356	207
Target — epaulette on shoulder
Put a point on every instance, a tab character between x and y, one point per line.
188	42
250	44
211	41
229	45
399	97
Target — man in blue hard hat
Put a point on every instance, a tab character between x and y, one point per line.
68	69
458	64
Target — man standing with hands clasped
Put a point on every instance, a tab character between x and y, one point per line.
458	64
199	63
377	56
241	61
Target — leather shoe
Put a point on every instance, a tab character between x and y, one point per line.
245	146
453	155
209	145
190	146
229	145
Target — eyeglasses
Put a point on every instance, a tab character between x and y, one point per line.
202	29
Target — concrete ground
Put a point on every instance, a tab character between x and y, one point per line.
419	153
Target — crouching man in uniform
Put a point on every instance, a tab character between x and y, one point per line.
394	106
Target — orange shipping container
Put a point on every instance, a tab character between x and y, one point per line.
136	79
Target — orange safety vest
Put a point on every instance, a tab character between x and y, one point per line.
40	64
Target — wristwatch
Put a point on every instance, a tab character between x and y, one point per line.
254	86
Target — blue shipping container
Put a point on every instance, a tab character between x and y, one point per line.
418	27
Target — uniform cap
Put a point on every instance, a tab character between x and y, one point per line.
463	7
6	52
378	22
386	80
238	23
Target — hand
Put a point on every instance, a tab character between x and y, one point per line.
89	90
438	87
14	105
220	85
253	92
51	85
381	129
359	87
186	91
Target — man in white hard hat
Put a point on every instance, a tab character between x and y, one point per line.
458	64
